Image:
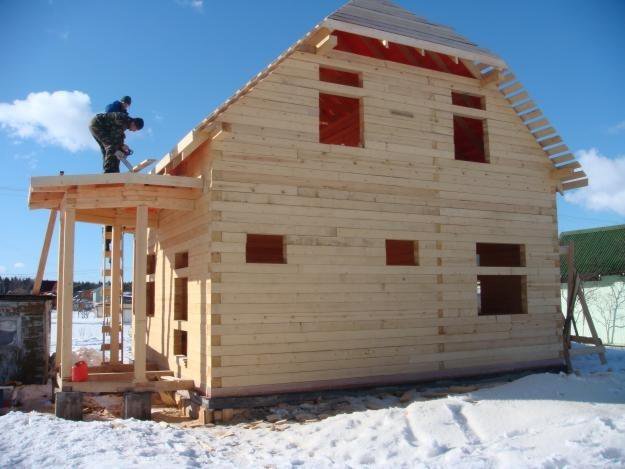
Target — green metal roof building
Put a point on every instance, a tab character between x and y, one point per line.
598	251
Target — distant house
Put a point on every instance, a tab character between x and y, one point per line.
600	260
126	301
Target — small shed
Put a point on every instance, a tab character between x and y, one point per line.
24	338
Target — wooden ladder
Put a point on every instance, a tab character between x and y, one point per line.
575	291
114	356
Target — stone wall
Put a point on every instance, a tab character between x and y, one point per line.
24	338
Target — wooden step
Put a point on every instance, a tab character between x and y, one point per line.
587	350
586	340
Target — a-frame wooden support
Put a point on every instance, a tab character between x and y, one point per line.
576	292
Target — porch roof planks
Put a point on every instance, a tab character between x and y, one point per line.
105	198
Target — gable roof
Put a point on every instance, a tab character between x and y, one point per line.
598	251
383	20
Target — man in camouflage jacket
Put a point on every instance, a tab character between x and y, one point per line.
108	130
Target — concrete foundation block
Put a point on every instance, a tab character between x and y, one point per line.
137	405
68	405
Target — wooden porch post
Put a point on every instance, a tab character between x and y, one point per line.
68	292
139	293
116	291
59	292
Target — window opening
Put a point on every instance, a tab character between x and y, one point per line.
180	342
150	293
340	77
339	120
151	264
469	142
500	255
181	287
502	294
467	100
265	249
401	252
181	260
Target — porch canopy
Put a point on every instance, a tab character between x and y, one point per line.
126	202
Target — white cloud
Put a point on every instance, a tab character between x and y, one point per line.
59	118
606	189
617	129
196	4
19	265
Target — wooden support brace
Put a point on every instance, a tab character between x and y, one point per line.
326	44
574	184
548	142
563	159
473	69
509	89
43	259
507	79
573	176
491	77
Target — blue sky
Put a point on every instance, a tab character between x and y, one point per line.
179	59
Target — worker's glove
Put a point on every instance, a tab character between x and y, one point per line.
126	149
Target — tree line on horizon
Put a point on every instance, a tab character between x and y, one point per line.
24	285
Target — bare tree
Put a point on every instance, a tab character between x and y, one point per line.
610	310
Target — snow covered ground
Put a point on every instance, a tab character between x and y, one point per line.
87	335
541	420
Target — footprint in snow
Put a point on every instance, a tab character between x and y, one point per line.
613	454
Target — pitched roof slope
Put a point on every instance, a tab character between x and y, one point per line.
383	20
599	251
383	16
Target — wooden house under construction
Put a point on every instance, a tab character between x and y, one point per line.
377	206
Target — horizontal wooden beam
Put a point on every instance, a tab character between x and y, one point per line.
574	184
486	59
115	178
122	386
562	159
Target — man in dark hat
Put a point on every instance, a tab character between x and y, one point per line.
108	129
121	105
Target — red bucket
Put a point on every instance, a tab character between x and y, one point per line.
80	372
